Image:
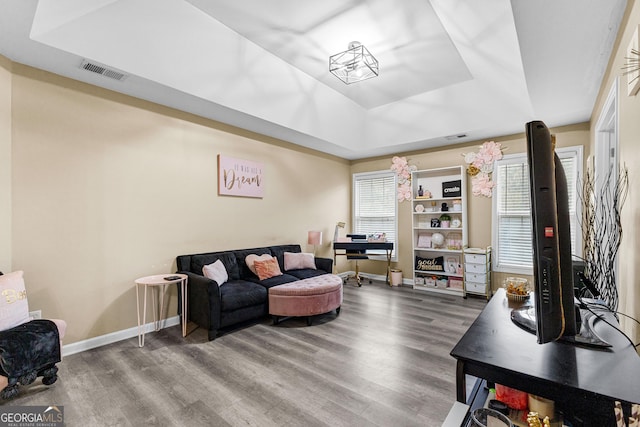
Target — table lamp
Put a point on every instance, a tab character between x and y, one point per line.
338	227
314	238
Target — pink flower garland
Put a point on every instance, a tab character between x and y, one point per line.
480	167
402	169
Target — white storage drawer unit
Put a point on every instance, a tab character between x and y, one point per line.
476	277
477	271
475	268
474	258
476	288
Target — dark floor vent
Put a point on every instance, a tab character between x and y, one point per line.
454	137
101	69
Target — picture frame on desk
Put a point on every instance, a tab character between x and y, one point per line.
452	264
424	240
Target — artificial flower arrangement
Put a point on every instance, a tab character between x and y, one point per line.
401	167
480	167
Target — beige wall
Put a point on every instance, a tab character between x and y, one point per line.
479	208
5	165
629	138
107	188
104	188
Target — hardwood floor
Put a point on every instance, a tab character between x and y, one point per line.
384	361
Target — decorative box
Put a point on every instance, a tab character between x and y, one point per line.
452	188
430	281
515	399
442	282
455	283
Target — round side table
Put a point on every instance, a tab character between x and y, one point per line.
160	283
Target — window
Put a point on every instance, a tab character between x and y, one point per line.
512	242
375	206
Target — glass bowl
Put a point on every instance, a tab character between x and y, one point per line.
484	417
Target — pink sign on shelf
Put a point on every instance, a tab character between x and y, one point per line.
237	177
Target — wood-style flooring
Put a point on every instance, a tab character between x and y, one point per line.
384	361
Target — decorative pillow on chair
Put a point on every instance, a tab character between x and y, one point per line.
14	307
268	268
298	260
251	259
216	271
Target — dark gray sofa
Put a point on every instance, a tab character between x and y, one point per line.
244	297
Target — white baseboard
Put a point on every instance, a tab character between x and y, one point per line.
95	342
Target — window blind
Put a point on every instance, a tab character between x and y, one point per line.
512	241
375	205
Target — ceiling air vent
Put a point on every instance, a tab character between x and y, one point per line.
104	70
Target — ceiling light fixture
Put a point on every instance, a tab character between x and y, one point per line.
354	64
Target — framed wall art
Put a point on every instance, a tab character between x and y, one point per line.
632	64
238	177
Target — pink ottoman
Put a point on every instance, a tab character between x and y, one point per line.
307	297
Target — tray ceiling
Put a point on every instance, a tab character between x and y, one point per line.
447	67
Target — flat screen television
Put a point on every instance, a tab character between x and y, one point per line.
554	314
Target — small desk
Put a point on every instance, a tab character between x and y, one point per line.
353	248
160	284
582	380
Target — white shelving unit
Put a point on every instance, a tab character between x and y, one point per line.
439	266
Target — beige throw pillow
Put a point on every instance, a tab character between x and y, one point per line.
217	272
298	260
14	307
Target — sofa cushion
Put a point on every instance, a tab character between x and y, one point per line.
296	261
305	273
267	268
238	294
227	258
276	280
217	272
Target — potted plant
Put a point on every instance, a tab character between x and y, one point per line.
445	220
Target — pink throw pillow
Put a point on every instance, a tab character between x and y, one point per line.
14	307
250	259
267	269
298	260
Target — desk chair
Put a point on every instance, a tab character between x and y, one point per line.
357	255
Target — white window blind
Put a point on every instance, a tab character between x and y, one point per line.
375	206
512	240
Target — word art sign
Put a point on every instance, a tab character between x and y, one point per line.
237	177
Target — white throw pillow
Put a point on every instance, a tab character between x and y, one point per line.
217	272
298	260
14	307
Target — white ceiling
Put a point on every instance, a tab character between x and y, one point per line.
479	68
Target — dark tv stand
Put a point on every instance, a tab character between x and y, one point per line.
584	382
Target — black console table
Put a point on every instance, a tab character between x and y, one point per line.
584	382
